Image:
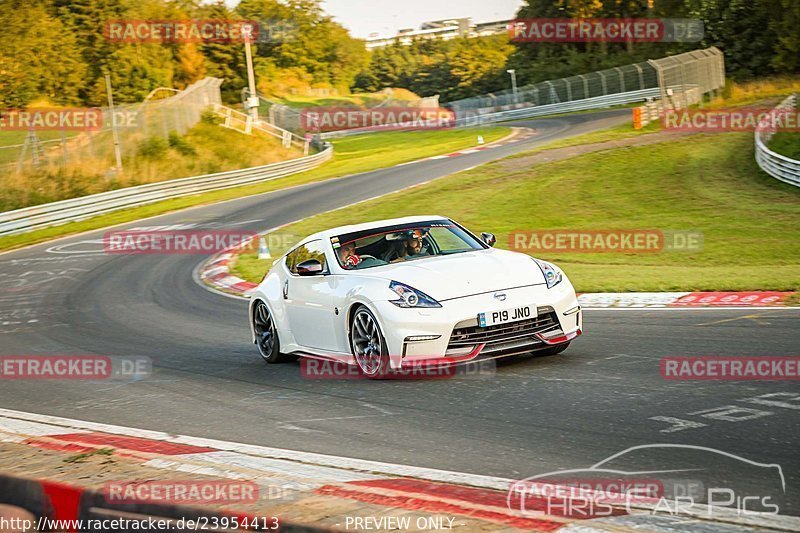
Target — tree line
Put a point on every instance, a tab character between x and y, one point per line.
57	50
759	38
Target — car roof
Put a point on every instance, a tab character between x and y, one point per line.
340	230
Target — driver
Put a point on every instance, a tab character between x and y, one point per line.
347	255
409	246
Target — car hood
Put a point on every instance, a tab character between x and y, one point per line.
465	274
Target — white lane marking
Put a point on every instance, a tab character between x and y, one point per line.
63	248
731	413
300	429
377	408
334	418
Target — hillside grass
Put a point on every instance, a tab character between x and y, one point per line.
756	91
703	183
351	155
204	149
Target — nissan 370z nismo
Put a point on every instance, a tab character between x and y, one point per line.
392	294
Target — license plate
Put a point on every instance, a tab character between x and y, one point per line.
492	318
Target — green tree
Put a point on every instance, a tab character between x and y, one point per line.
87	20
314	42
787	31
39	56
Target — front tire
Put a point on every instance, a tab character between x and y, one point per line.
368	345
267	341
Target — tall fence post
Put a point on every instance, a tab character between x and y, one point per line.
641	75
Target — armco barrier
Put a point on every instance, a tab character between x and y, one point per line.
51	501
598	102
776	165
41	216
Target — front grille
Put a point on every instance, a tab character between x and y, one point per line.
502	337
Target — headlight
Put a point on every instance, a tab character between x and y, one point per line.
552	275
411	297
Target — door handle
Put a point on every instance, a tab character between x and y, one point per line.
286	290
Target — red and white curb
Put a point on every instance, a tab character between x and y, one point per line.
685	300
215	273
389	485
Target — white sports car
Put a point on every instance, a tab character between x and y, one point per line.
410	291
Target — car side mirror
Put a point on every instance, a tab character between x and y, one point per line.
309	267
488	238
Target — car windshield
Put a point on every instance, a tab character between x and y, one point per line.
403	242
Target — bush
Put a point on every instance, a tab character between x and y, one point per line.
153	148
180	144
209	117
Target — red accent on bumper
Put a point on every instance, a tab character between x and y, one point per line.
446	360
559	340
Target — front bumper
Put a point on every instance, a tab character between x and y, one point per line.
419	336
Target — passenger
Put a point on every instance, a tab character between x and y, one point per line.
409	246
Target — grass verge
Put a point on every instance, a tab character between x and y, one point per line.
703	183
352	155
786	143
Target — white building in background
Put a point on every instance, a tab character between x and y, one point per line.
445	29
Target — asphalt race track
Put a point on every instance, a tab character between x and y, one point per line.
530	416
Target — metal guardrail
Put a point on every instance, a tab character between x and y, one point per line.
598	102
52	214
776	165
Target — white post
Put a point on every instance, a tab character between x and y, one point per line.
114	133
513	84
252	100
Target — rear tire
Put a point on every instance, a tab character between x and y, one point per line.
267	341
553	350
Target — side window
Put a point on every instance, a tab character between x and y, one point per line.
290	260
309	250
